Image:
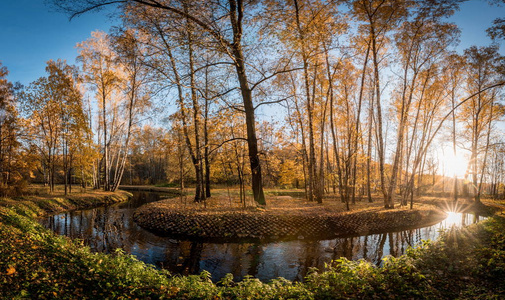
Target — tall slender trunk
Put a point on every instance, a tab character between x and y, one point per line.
106	184
369	149
120	168
320	181
65	165
335	138
303	142
486	151
453	100
311	163
236	15
199	192
474	148
206	136
356	132
70	166
380	149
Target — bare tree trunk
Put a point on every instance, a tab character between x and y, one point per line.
236	15
120	168
453	99
305	157
65	165
486	151
106	184
336	151
369	149
206	136
357	124
199	192
320	182
311	163
380	146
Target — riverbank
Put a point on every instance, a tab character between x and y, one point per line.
38	202
37	264
150	188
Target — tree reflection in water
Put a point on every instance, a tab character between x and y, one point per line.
108	228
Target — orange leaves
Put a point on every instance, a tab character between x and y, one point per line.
10	270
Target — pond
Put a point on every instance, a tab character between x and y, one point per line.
108	228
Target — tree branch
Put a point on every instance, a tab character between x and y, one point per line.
272	102
430	140
273	75
227	141
89	8
202	24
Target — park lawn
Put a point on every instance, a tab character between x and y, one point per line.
290	201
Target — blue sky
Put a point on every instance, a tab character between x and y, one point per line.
473	18
31	34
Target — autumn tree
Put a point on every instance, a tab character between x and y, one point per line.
377	20
224	23
9	133
130	51
54	111
73	120
114	70
453	77
172	58
149	159
366	91
496	169
312	29
497	31
102	75
231	157
421	42
481	112
343	115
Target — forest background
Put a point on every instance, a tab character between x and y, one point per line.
364	99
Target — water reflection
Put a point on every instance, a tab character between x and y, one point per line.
108	228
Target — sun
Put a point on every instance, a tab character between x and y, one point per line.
454	165
453	218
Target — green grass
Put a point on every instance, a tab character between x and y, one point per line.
37	264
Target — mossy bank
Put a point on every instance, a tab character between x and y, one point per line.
40	205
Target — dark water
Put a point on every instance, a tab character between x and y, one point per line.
107	228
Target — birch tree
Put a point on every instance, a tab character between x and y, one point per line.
130	54
102	74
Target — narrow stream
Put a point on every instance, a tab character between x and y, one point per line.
108	228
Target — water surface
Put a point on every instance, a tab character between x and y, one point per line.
108	228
